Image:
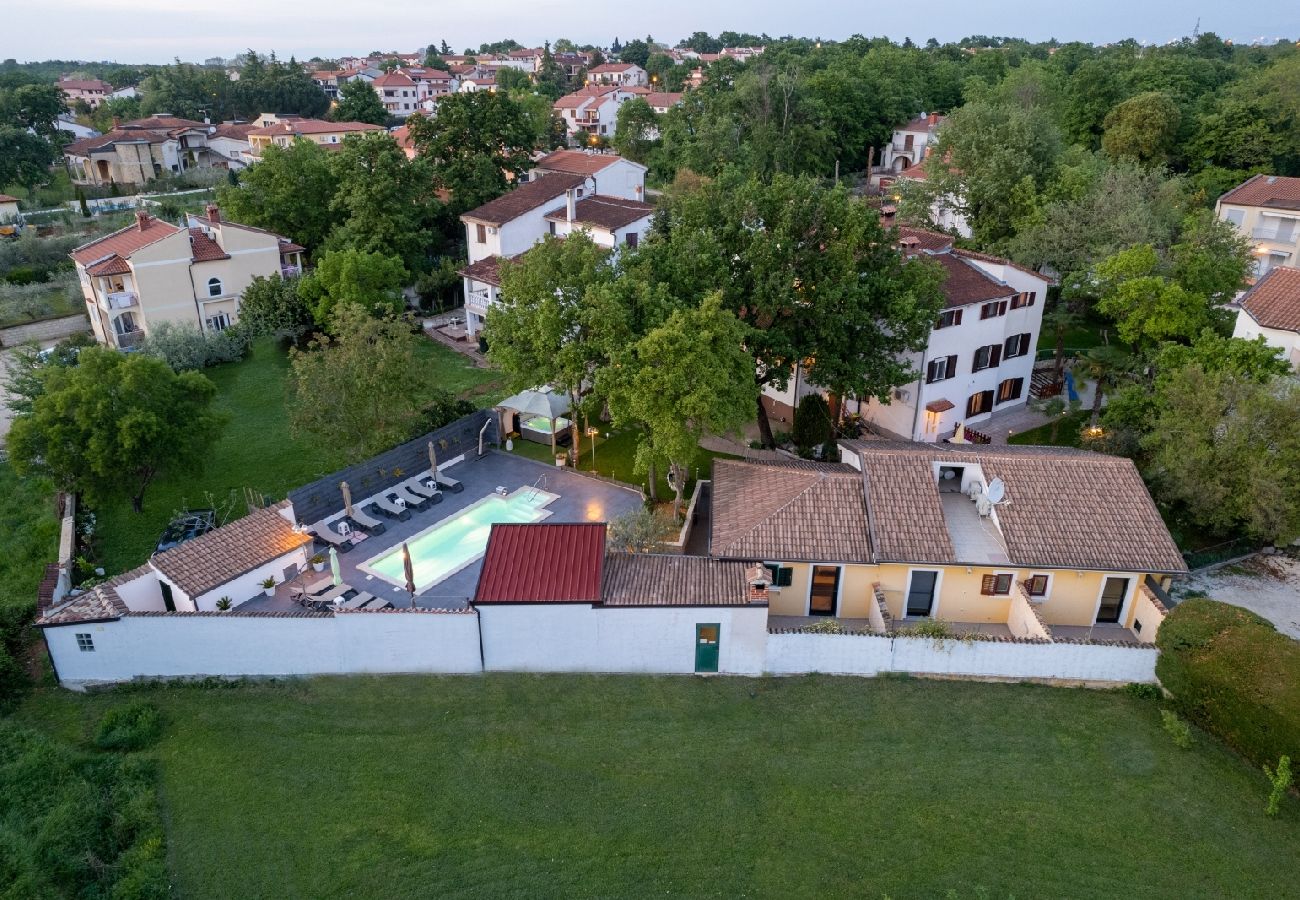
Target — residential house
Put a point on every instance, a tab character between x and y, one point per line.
1038	543
1266	210
285	132
398	93
662	101
8	209
124	93
1271	309
431	85
482	78
65	122
139	151
945	211
328	81
152	272
911	143
593	110
512	223
979	358
91	91
572	64
230	139
619	74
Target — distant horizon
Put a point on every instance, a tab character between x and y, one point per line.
151	32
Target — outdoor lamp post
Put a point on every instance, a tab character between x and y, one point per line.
591	433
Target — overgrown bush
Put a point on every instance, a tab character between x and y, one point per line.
76	824
31	534
1235	675
183	347
37	300
1178	730
272	306
812	425
132	726
42	255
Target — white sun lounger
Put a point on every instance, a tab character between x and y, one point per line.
422	486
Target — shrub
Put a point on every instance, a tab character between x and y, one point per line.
1281	779
1142	691
132	726
183	347
1232	673
1176	728
812	424
272	306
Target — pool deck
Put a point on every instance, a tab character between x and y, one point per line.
581	499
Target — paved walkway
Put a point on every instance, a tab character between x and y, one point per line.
1002	425
1266	585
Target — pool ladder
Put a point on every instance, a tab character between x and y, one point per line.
538	485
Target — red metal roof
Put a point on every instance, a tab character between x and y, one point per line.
543	563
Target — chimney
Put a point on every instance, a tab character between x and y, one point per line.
934	118
117	122
142	219
571	205
214	213
759	577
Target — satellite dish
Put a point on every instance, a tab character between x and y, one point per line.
997	490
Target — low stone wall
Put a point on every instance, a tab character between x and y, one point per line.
794	653
44	330
1025	621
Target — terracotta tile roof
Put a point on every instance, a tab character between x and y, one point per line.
238	132
485	271
611	68
577	162
117	136
83	84
1276	191
924	240
1070	509
209	561
643	579
923	124
939	406
112	265
313	126
165	123
98	604
204	248
125	241
5	198
968	283
601	92
663	99
526	197
1274	301
394	79
608	213
288	246
788	512
542	563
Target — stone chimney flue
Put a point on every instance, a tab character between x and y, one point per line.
214	213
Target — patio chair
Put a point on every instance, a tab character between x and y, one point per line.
423	487
410	497
393	510
330	536
446	482
367	524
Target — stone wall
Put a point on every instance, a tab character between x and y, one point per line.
44	330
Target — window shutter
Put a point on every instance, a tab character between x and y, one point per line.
929	372
995	355
951	370
1024	345
957	319
1009	348
1032	295
988	585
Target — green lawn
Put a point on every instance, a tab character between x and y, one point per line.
616	458
256	451
1069	432
455	374
559	786
30	531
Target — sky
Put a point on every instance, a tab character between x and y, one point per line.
155	31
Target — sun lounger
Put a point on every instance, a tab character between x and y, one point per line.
330	536
393	510
328	598
446	482
364	521
379	603
356	602
424	487
418	501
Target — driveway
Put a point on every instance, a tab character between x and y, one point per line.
1266	585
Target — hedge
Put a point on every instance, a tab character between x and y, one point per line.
1234	674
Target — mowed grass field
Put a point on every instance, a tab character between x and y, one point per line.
558	786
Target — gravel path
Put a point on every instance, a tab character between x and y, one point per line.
1267	585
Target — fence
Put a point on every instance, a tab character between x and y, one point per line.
44	330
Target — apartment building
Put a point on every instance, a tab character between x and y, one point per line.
1266	210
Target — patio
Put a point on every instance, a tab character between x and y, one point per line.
580	499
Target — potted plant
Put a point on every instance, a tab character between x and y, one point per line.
224	604
318	562
268	585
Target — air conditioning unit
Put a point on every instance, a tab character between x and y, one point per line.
902	396
984	506
492	229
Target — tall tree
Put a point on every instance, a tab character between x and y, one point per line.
112	424
25	158
289	192
636	129
358	102
34	106
1143	128
370	281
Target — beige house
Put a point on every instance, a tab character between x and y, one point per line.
1266	210
1271	310
91	90
284	131
152	272
1010	542
139	151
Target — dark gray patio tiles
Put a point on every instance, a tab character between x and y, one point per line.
581	499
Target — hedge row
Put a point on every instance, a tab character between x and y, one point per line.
1236	675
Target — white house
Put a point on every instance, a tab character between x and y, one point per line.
592	110
1271	310
621	74
1266	210
610	222
945	211
613	175
910	144
979	358
398	93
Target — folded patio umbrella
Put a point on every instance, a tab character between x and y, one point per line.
433	460
334	567
408	569
347	497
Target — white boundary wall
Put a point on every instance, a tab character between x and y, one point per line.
231	645
854	654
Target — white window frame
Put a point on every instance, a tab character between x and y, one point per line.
220	288
1128	597
938	591
839	588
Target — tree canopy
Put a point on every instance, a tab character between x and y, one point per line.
289	192
358	102
370	281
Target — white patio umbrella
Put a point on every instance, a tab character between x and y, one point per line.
347	498
334	567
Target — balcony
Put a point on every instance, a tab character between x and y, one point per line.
129	340
290	271
1279	235
478	302
121	300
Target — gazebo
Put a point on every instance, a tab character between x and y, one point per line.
539	413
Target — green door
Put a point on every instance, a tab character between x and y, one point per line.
706	647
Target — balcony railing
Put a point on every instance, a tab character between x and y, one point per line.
1281	235
129	340
121	299
478	302
290	271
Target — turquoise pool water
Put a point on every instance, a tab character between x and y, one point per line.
454	543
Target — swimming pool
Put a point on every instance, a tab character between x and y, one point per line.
444	549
